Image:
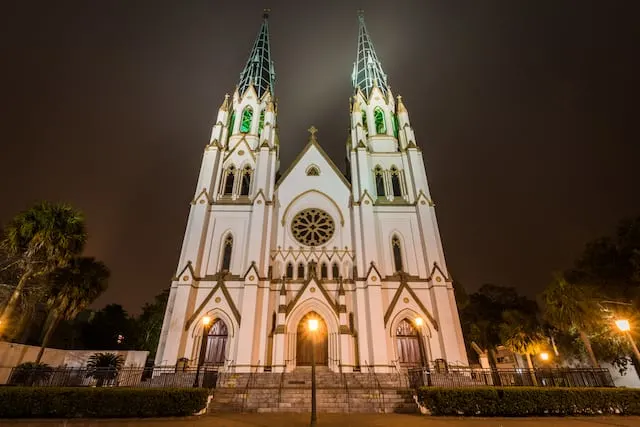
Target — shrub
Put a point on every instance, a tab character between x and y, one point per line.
104	367
30	373
54	402
529	401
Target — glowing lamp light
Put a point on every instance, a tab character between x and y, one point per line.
313	325
206	320
419	321
623	325
544	356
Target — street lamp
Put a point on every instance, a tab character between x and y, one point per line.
418	321
206	321
313	327
544	356
625	327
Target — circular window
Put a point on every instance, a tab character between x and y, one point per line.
312	227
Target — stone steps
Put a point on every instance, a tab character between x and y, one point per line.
291	392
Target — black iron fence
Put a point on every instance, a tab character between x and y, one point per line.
548	377
163	376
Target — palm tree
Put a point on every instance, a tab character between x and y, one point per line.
573	308
41	238
522	335
72	289
104	367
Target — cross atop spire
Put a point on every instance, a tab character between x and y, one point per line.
367	70
259	70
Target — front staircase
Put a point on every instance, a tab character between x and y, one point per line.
291	392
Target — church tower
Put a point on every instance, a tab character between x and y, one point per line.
221	268
396	232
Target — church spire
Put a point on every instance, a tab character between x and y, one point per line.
367	70
259	70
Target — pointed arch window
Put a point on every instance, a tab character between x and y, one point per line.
365	127
324	273
395	126
232	122
313	171
247	117
227	249
379	181
289	273
335	271
245	185
301	271
229	180
261	122
395	182
397	253
378	116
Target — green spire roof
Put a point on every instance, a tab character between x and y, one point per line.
259	70
367	70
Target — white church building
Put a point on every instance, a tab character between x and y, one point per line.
263	252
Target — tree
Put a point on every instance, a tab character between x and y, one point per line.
104	367
149	324
571	307
73	288
103	330
482	315
522	334
41	239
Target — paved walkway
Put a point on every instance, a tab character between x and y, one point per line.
336	420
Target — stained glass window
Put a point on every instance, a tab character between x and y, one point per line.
232	121
395	126
335	271
378	115
261	122
247	116
289	271
301	271
324	271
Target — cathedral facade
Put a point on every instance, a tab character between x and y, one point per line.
263	253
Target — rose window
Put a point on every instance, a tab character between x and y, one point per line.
312	227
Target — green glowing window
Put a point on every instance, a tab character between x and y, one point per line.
395	126
378	116
247	116
364	123
261	122
232	121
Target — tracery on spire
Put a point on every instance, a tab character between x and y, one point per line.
259	70
367	70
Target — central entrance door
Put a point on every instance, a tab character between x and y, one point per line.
304	345
410	350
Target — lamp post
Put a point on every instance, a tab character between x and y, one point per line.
625	327
206	320
313	327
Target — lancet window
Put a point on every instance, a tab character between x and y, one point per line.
245	185
261	122
378	115
232	122
247	117
324	271
397	253
301	271
379	176
395	182
229	180
289	271
335	271
227	248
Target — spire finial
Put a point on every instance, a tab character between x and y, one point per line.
367	70
312	133
265	13
259	69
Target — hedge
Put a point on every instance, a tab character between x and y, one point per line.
70	402
529	401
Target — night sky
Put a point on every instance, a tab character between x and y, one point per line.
526	112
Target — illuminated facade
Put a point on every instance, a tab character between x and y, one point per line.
362	255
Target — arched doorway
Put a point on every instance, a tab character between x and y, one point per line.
409	345
304	344
216	343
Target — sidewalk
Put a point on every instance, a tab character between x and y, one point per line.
337	420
